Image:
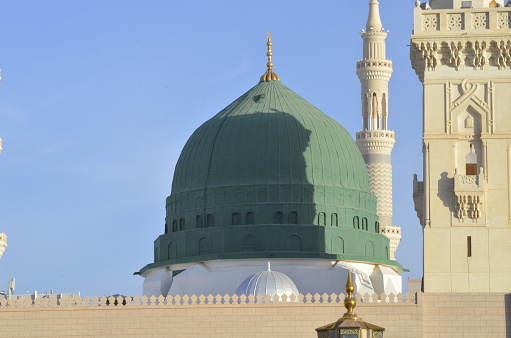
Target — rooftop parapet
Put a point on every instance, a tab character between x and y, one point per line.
462	21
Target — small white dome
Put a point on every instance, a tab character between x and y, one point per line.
267	283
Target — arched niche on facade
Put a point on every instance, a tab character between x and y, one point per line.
469	122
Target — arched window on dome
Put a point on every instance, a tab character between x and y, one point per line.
293	217
174	226
377	227
294	243
356	224
278	217
181	224
235	219
198	221
250	218
337	245
364	224
386	252
369	249
204	246
322	218
248	243
335	220
210	221
172	250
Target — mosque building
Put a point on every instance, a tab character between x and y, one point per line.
273	197
272	180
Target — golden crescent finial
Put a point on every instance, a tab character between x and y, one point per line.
269	75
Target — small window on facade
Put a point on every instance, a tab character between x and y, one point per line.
364	224
278	217
250	218
471	162
198	221
166	228
235	219
210	221
377	227
174	226
466	4
469	246
181	224
471	169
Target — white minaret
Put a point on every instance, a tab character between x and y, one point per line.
375	140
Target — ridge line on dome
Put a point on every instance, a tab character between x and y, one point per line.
297	124
213	143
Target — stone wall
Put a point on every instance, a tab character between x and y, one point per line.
431	316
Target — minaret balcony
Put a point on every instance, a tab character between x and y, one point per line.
375	141
374	63
383	134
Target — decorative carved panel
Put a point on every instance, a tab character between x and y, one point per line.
480	21
504	20
430	22
455	22
469	192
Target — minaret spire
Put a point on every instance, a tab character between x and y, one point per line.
376	140
373	20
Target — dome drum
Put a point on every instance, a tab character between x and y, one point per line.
290	241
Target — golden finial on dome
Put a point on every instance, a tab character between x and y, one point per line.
350	302
269	75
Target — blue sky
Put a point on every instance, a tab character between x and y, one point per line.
98	98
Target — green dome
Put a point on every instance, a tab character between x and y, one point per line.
270	135
270	176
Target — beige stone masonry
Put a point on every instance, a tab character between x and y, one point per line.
427	315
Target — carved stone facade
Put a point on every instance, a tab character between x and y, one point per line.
375	140
464	200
